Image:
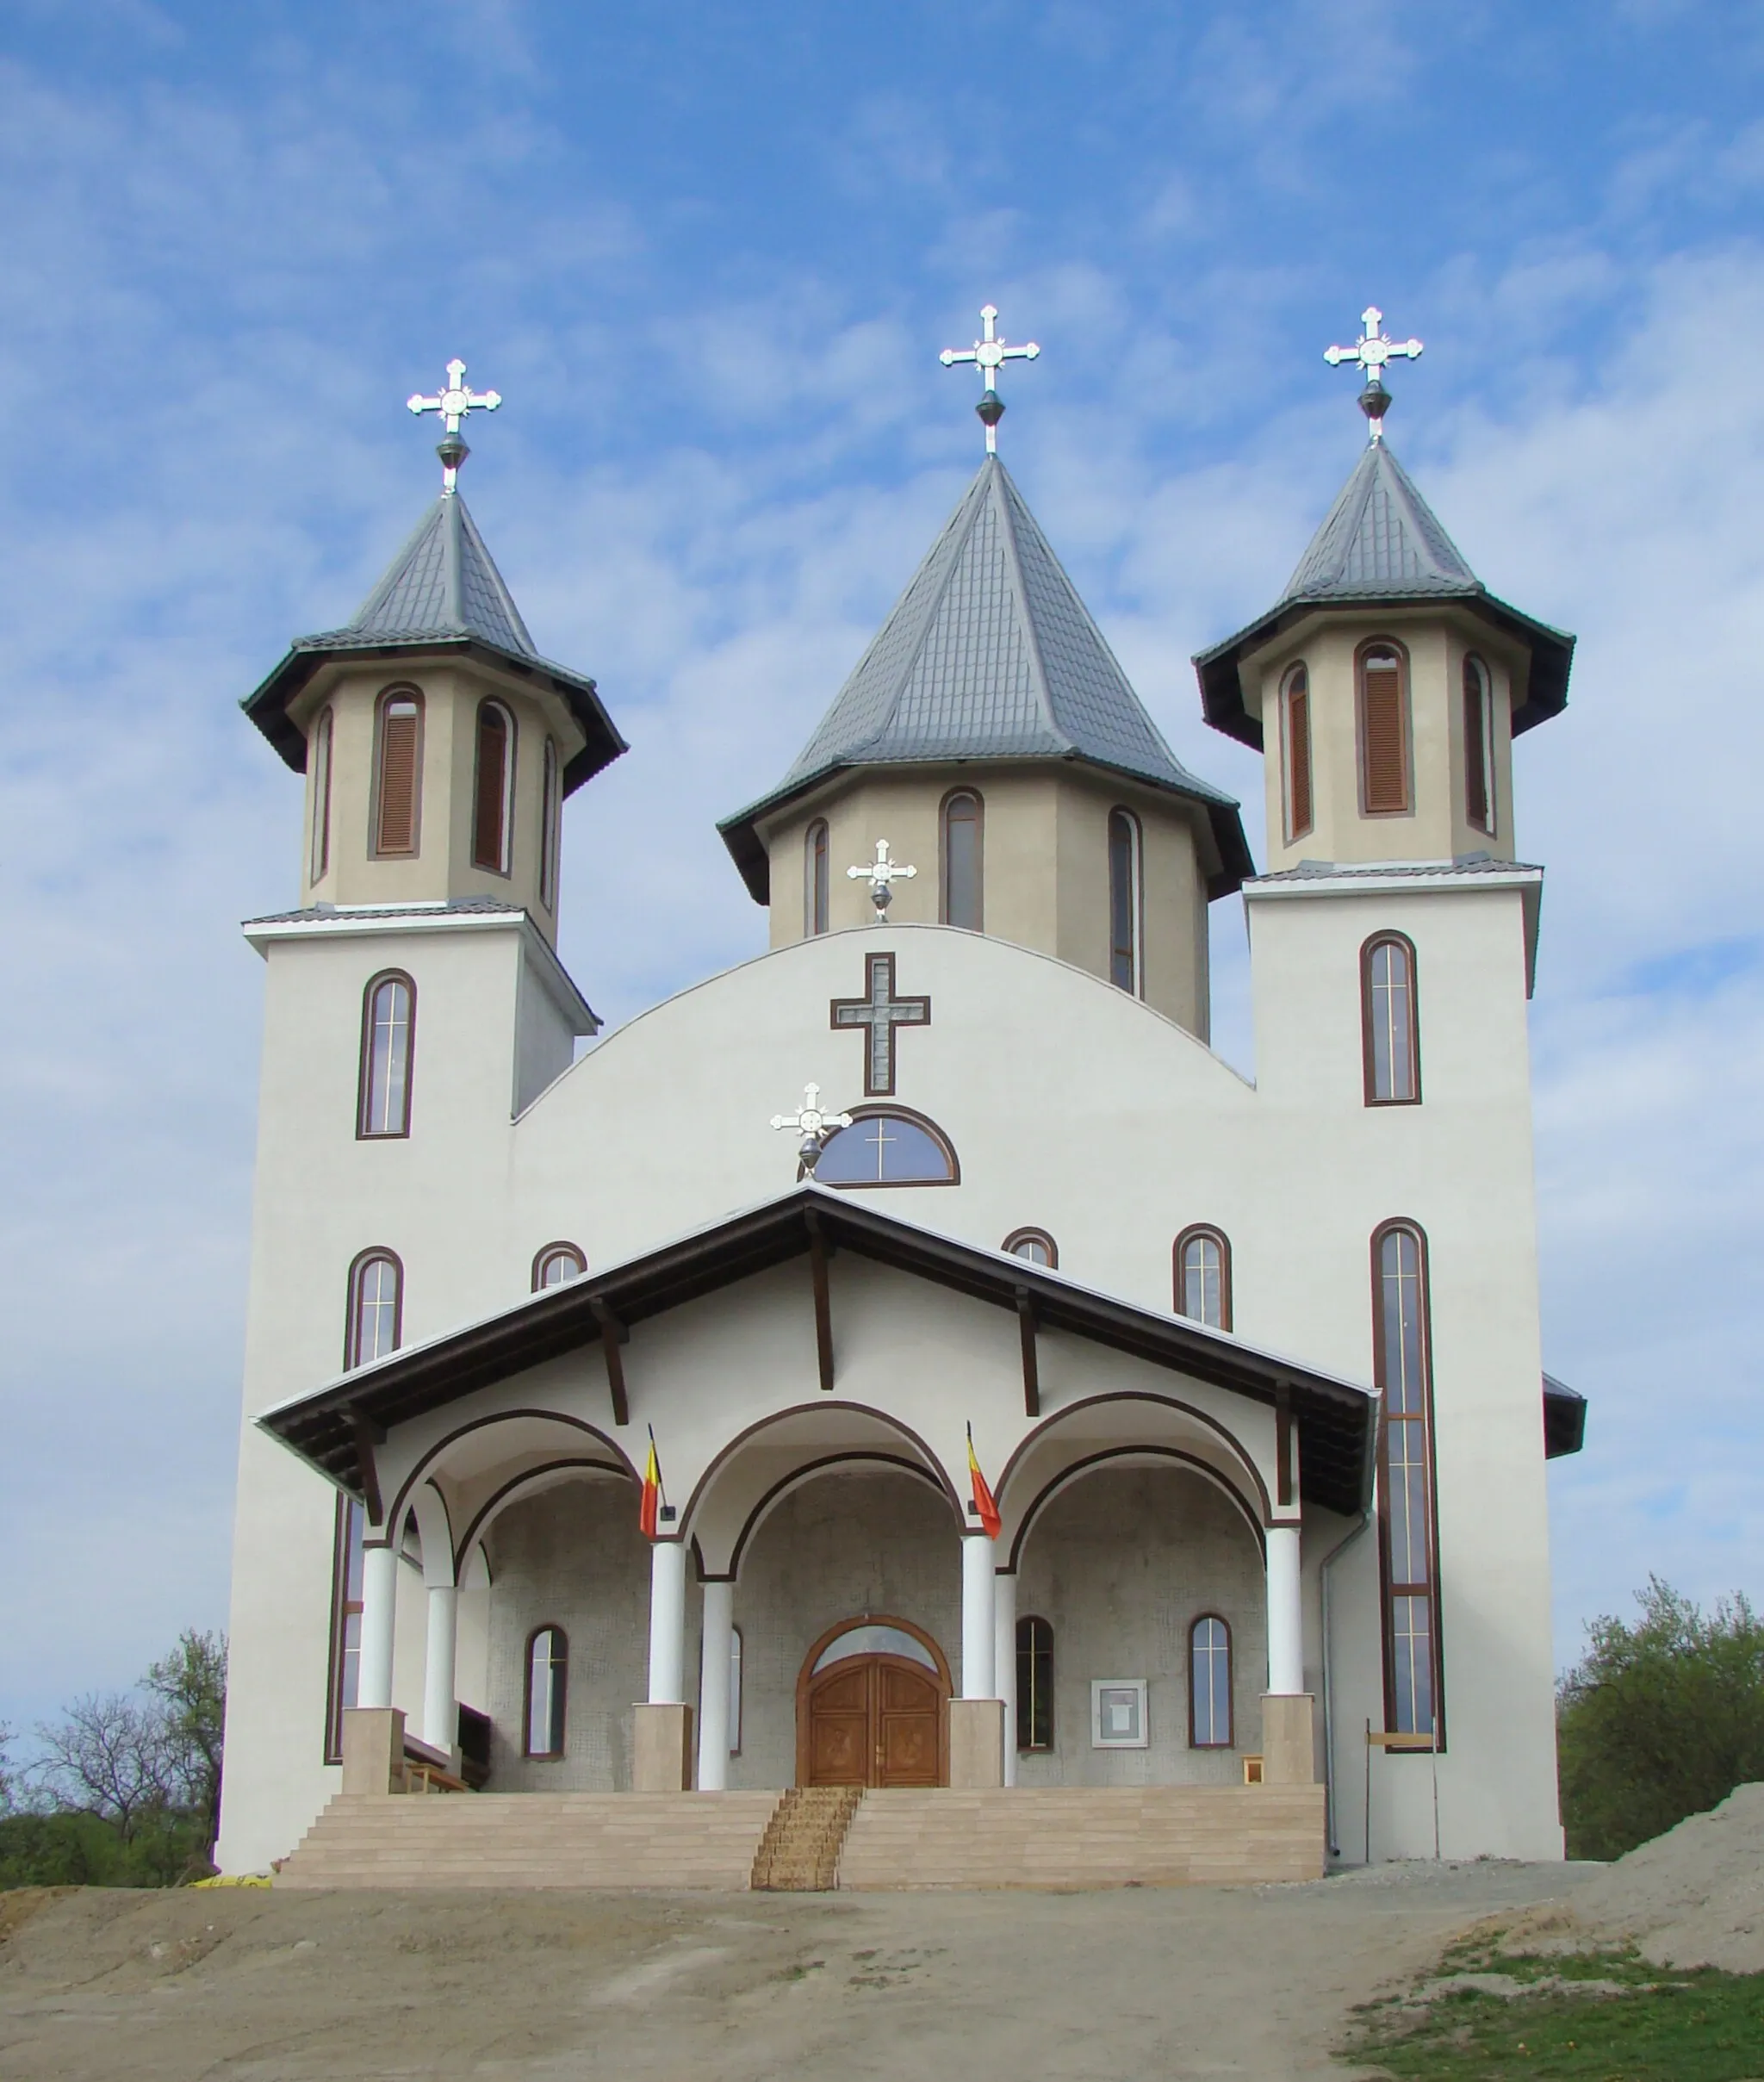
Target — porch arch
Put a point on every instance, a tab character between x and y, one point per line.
1128	1456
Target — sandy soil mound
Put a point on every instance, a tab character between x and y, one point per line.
1692	1898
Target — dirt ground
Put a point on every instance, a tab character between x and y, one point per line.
1163	1984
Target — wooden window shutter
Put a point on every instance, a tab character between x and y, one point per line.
1298	745
397	821
1386	755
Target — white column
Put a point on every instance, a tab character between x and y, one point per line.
668	1623
1005	1664
1286	1630
440	1707
978	1580
379	1618
713	1687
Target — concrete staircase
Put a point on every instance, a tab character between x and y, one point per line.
799	1852
1086	1836
535	1839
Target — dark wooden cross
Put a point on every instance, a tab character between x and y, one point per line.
881	1011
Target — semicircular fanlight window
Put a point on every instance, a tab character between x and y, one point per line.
874	1641
885	1149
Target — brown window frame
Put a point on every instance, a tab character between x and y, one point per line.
1197	1232
323	740
1369	947
1407	807
562	1248
1390	1590
1018	1237
816	879
489	710
1295	687
1230	1742
889	1111
528	1753
956	795
344	1541
1026	1704
1123	819
1479	733
550	807
375	1254
382	706
364	1068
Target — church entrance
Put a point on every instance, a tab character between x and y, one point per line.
872	1708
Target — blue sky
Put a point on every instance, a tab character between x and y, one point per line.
708	255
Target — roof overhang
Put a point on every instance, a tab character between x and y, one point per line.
1551	652
1336	1419
267	705
1564	1419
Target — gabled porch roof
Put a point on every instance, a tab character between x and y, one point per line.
1336	1419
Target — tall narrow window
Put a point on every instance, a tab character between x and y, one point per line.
964	865
493	788
1124	900
555	1263
321	796
1392	1023
1034	1684
375	1323
549	806
341	1691
1400	1368
1479	747
548	1682
1296	740
735	1691
1203	1278
815	878
1209	1683
389	1036
1384	732
398	771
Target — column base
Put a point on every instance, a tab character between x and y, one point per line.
661	1751
1289	1738
373	1750
976	1742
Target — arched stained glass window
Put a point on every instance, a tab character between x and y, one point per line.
1296	741
375	1322
493	790
1124	900
1400	1367
815	878
322	795
398	772
1034	1246
964	863
888	1148
1393	1039
1203	1276
548	1683
1209	1683
389	1036
1034	1683
557	1263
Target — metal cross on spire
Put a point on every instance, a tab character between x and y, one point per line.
1374	348
879	874
816	1127
989	354
453	403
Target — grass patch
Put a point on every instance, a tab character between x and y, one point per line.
1596	2017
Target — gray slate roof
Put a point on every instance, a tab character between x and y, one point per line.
989	654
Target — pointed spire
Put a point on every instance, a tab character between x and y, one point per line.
444	583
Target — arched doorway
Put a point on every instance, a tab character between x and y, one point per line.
872	1707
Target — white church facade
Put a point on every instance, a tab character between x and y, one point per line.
1251	1371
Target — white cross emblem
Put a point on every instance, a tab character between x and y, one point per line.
989	355
453	403
1373	349
816	1128
879	873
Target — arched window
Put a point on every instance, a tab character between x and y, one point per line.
322	795
1384	731
398	772
547	1681
493	789
888	1147
1203	1276
735	1654
375	1322
550	805
1034	1247
1125	900
1391	1019
388	1040
815	878
1479	747
1401	1363
1296	751
557	1263
1034	1683
342	1690
1209	1683
964	863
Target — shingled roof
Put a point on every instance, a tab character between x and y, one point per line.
1381	544
441	592
989	654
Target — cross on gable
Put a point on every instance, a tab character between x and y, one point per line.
881	1012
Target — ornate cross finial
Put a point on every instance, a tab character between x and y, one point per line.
879	874
453	403
816	1127
1370	353
989	354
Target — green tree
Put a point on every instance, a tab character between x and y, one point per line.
1660	1719
190	1687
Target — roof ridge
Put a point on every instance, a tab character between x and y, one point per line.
1012	502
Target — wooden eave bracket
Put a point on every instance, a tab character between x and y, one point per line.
613	1334
367	1435
819	1252
1032	1366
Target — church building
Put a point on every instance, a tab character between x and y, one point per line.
911	1363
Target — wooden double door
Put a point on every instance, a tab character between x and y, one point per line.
871	1720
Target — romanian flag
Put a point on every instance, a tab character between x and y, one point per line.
983	1496
651	1505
